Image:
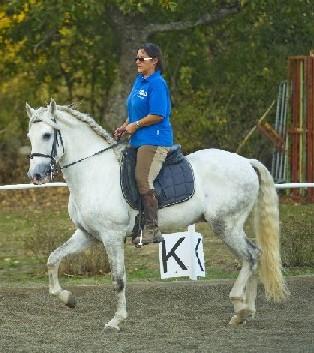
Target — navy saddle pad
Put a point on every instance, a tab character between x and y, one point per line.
174	183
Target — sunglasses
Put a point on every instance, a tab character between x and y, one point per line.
141	59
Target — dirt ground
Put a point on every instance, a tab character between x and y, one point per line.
174	317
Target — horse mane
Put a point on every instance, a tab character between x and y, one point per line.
89	121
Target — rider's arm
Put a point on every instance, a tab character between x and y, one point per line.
149	119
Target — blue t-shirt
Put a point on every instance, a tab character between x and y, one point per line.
150	96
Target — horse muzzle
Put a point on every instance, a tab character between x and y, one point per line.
40	174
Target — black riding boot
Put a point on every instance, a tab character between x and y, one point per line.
151	232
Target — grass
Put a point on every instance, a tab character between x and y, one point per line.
33	223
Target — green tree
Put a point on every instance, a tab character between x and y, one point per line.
82	43
224	61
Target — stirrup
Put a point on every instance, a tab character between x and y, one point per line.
141	240
138	241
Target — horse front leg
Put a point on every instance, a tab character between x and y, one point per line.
79	241
114	244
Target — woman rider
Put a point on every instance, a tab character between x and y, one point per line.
148	123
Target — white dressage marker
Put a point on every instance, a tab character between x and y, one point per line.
182	255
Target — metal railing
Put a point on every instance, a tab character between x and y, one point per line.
32	186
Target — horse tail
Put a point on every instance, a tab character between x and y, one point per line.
266	225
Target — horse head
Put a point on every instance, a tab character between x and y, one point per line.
46	142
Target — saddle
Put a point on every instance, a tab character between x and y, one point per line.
174	183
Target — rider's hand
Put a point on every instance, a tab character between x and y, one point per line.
131	128
119	132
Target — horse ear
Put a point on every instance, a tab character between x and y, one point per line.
52	107
29	110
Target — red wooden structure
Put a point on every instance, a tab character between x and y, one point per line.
309	65
301	132
269	132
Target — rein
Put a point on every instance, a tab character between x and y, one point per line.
92	155
54	168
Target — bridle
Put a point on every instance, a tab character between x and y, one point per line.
54	167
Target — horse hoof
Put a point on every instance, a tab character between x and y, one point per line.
240	317
71	302
112	327
236	321
67	298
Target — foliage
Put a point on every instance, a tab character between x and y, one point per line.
222	77
44	239
297	241
236	66
59	50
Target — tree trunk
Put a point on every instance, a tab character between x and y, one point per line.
115	107
132	35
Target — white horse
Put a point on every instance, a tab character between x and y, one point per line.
227	188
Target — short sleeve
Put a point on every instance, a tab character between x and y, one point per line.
158	99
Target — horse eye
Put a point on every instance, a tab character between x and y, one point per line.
46	136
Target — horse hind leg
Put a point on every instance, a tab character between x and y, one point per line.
251	287
251	292
243	292
244	307
78	242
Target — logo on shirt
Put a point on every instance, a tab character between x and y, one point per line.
142	94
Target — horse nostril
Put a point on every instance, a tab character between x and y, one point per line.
37	176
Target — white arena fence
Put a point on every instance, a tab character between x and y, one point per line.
30	186
49	185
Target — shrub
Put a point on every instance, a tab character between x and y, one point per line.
46	239
297	241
